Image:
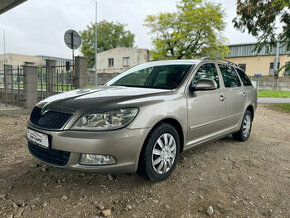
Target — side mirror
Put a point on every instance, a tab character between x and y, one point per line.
204	85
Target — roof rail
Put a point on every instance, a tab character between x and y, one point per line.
220	59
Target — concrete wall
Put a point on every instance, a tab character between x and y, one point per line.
272	83
259	64
102	77
136	56
9	96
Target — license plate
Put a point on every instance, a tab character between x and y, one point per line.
38	138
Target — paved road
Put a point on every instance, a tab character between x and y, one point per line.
273	100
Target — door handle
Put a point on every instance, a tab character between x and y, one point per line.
244	93
222	98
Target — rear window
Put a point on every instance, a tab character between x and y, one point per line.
245	79
230	76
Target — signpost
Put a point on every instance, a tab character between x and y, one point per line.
73	40
257	81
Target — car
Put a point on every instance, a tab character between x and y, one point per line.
141	120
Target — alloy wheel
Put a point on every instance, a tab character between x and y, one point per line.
164	153
247	125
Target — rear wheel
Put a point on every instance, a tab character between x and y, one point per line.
244	133
160	153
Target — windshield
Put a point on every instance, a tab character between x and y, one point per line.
151	75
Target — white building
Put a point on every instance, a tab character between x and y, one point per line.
119	59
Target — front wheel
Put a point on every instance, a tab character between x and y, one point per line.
244	133
160	153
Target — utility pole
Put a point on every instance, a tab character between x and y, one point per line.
276	60
4	47
96	42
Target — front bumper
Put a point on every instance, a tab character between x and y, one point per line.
124	144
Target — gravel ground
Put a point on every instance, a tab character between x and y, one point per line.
225	178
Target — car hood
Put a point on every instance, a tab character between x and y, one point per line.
103	98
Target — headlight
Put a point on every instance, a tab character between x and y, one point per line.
110	120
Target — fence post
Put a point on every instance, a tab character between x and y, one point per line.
80	79
50	69
30	86
7	81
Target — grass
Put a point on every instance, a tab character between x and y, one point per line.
59	86
274	94
283	107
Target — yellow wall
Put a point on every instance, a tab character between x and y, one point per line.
259	64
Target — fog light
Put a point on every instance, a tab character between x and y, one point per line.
97	159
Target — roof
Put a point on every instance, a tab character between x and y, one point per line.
6	5
124	48
247	49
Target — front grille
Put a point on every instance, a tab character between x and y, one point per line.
51	156
50	120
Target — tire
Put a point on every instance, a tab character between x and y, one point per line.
157	163
244	133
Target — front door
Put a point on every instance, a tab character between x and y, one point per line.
206	109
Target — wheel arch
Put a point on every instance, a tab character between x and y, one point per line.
251	109
173	122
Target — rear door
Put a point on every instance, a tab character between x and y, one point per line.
206	109
234	95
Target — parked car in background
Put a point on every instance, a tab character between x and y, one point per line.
144	118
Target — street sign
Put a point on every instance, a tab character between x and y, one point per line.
72	39
257	74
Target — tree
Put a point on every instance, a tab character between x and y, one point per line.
110	35
267	20
194	30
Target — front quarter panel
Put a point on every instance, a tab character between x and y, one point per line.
173	106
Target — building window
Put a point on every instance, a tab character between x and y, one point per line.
271	71
126	61
243	67
287	69
111	62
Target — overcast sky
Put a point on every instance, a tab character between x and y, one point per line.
36	27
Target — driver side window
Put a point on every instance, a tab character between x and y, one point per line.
206	71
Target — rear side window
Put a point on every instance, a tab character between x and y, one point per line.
245	79
229	75
206	71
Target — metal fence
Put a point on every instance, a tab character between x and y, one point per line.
11	85
59	78
63	77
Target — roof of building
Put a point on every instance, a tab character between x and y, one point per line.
43	57
247	49
6	5
125	48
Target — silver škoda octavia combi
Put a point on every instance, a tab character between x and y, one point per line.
141	120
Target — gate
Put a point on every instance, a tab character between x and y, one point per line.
39	82
11	86
54	78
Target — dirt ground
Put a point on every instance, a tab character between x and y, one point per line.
250	179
